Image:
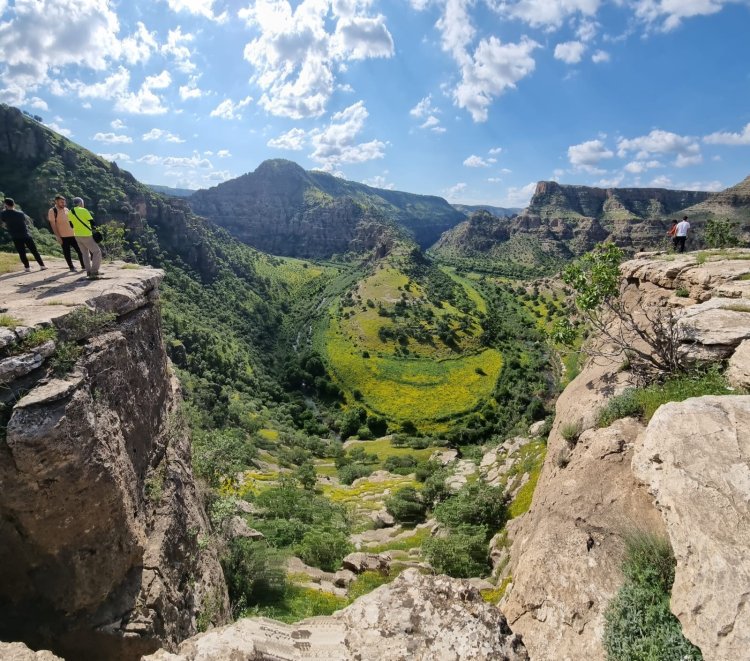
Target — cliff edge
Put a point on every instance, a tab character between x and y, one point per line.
99	514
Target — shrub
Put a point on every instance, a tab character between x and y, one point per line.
570	431
324	548
639	625
476	504
400	464
406	506
351	472
462	553
621	406
682	292
254	572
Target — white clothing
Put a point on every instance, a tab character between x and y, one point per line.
682	228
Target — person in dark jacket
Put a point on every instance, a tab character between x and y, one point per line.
15	222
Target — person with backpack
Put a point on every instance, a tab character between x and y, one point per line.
62	228
83	230
15	222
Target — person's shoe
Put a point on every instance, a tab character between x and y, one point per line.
27	269
72	269
42	268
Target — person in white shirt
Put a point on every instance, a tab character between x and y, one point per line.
681	235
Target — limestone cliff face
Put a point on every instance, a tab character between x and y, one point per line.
99	515
683	476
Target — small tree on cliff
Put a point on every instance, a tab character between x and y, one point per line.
647	337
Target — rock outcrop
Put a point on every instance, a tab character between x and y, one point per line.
99	514
415	618
695	461
566	552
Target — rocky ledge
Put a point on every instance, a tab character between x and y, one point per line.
99	515
415	618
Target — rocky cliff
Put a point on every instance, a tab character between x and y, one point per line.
102	526
415	618
684	476
285	210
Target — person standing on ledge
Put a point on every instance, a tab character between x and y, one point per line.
62	228
83	229
15	221
683	227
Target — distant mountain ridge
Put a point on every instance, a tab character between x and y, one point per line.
500	212
284	209
563	221
174	192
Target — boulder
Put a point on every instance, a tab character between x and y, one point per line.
382	519
236	526
362	562
738	370
695	461
414	618
536	429
445	457
19	652
343	577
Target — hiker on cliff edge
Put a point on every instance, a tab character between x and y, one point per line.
15	221
683	227
672	234
83	229
62	228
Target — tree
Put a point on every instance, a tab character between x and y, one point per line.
648	338
306	475
406	506
720	233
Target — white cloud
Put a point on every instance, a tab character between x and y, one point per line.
119	156
424	108
726	138
117	124
570	52
587	155
223	153
194	161
137	48
614	182
638	167
336	144
203	8
227	109
59	129
191	90
495	151
176	48
600	56
161	134
453	191
38	104
474	161
294	55
685	149
293	140
112	138
379	181
547	13
519	197
145	101
670	13
491	70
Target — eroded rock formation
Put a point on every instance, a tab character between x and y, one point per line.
415	618
99	515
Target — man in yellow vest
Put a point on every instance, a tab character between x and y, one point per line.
83	230
62	228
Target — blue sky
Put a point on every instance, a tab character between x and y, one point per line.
468	99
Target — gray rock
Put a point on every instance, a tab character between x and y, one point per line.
236	526
343	577
19	652
382	519
536	429
738	370
695	461
361	562
414	618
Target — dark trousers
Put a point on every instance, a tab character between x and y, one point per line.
680	243
21	245
69	242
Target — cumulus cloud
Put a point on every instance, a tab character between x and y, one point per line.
191	90
474	161
227	109
587	155
495	151
119	156
669	14
293	140
380	181
295	55
453	191
194	161
337	143
570	52
638	167
203	8
547	13
600	56
117	124
223	153
176	47
519	196
685	149
161	134
425	110
59	129
726	138
38	104
112	138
